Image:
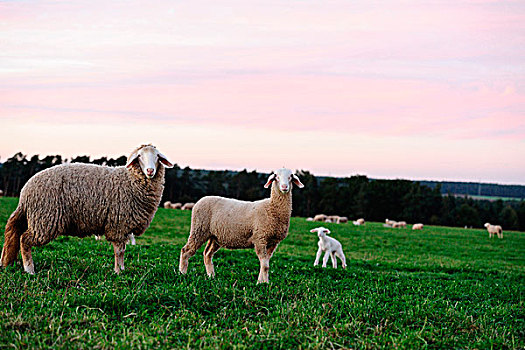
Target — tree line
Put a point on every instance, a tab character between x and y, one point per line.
354	197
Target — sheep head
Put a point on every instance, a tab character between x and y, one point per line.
321	231
284	178
148	158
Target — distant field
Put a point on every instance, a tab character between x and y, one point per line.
490	198
437	288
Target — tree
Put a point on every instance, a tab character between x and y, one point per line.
509	218
468	216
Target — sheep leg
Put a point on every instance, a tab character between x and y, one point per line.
189	250
334	260
264	259
119	249
318	256
209	251
325	258
25	250
341	256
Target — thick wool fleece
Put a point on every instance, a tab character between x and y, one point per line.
238	224
85	199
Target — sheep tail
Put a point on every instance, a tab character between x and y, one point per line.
16	226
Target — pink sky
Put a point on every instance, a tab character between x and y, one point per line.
412	89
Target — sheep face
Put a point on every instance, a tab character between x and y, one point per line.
284	179
321	231
487	225
149	158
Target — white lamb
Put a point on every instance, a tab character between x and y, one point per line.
417	227
494	229
330	246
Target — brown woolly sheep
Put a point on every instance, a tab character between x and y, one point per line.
234	224
85	199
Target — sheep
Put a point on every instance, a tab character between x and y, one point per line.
359	222
188	206
494	229
402	223
417	227
309	219
320	217
1	193
176	205
333	218
390	222
235	224
85	199
167	205
397	225
328	220
330	246
342	220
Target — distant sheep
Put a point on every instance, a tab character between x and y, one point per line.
342	220
333	218
359	222
417	227
167	205
187	206
402	223
390	222
328	220
320	217
176	205
235	224
1	193
330	246
85	199
309	219
494	229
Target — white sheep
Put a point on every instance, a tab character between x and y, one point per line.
188	206
320	217
176	205
167	205
494	229
359	222
235	224
402	223
342	220
330	246
417	227
390	222
333	218
309	219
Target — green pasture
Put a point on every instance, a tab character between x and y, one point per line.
439	288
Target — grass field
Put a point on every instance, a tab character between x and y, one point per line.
438	288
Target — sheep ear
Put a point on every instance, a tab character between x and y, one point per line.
164	160
313	230
271	179
297	181
132	159
328	232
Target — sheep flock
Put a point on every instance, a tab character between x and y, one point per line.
119	203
